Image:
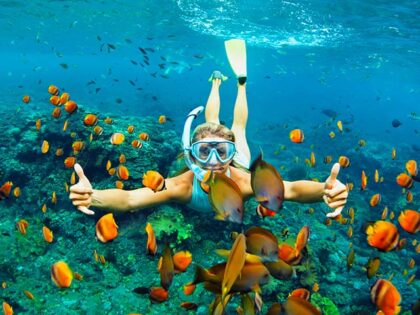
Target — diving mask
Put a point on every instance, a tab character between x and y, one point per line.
204	150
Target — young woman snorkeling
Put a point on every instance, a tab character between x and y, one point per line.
212	147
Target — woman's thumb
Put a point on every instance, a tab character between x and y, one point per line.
79	171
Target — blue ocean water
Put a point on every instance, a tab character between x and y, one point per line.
357	59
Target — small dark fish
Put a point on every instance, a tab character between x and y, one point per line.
118	101
267	77
97	90
134	62
102	46
198	56
146	62
20	86
163	58
396	123
116	80
164	76
142	51
174	63
39	81
330	113
132	82
149	38
154	98
128	41
171	36
378	98
153	74
140	88
161	66
141	290
146	57
91	82
142	65
64	65
98	37
111	46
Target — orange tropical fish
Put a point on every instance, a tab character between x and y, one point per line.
21	225
53	90
38	124
162	119
350	232
78	146
301	240
189	288
393	153
372	267
64	98
376	177
117	138
48	234
154	181
59	152
45	146
411	263
189	306
77	276
151	247
56	113
386	297
382	235
144	136
90	120
362	143
404	180
7	309
384	213
16	192
182	260
166	268
108	120
313	159
112	171
119	184
130	129
98	130
265	212
70	107
108	165
158	295
26	99
28	294
122	159
136	144
411	167
315	287
287	253
55	100
375	200
123	172
296	136
44	208
364	180
344	161
409	196
328	159
410	221
301	293
61	274
54	198
106	228
69	162
73	178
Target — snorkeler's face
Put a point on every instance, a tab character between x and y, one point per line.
213	153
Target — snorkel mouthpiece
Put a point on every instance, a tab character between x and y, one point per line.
186	143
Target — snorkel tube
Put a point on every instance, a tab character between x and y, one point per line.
186	144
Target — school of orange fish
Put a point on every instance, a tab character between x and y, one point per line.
256	254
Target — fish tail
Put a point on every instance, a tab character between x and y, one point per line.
201	275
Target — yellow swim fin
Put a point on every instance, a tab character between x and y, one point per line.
236	53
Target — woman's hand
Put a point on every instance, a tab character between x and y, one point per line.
81	193
335	192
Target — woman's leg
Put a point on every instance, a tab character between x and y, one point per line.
213	103
240	118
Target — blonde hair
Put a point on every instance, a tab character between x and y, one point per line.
212	129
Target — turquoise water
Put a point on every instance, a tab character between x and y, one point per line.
358	59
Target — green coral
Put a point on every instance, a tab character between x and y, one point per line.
326	306
167	221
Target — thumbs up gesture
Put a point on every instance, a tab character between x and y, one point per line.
81	193
335	192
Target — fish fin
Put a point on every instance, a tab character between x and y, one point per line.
201	275
253	259
222	252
